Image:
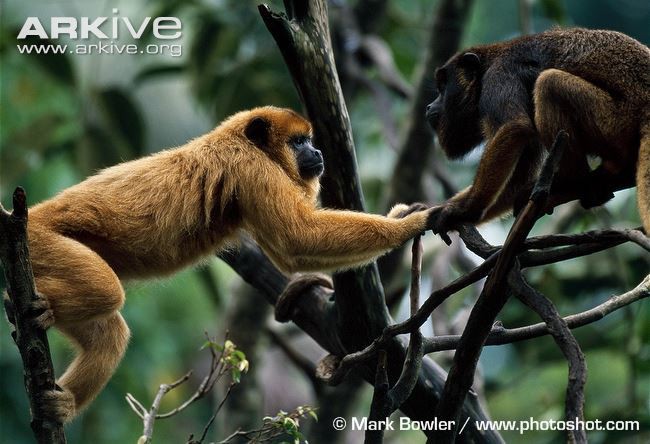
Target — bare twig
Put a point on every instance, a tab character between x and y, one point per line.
492	299
149	416
414	322
212	418
575	245
386	400
29	314
217	370
219	366
499	335
567	343
136	406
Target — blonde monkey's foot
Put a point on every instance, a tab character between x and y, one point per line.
42	312
38	310
57	405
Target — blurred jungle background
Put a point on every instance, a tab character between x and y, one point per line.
63	117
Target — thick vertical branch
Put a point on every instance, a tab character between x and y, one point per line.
380	404
304	40
305	45
30	338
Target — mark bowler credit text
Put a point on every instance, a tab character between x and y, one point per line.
522	426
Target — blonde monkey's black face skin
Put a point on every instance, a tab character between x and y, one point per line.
309	158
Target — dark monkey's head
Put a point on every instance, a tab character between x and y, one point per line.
285	137
454	114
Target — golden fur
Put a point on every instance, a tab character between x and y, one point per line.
155	215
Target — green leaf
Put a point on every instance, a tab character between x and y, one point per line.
212	345
236	375
289	425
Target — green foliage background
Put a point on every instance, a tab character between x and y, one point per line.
63	117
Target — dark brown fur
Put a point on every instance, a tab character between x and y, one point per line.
517	95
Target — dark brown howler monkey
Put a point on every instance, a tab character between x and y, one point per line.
256	172
517	95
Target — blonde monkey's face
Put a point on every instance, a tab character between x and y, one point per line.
288	144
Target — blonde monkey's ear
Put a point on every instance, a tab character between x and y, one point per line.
402	210
258	132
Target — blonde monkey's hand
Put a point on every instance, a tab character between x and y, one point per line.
400	210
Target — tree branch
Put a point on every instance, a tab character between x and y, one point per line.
28	312
575	397
221	363
386	400
499	335
492	299
359	314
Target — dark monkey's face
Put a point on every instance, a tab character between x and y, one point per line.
454	114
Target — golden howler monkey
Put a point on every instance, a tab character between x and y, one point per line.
517	95
257	172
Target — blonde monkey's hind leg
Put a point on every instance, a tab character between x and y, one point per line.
85	296
100	344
